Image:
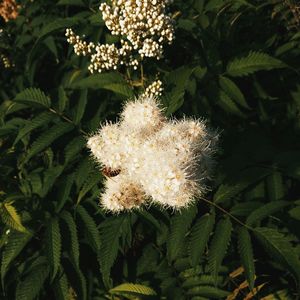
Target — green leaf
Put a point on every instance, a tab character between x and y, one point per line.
92	180
236	184
15	244
295	213
199	237
48	137
132	289
40	120
253	62
62	99
246	254
208	291
227	104
77	280
64	191
53	245
71	2
90	227
176	82
55	25
180	224
80	107
73	247
275	186
201	280
149	218
30	287
73	148
233	91
50	44
265	211
112	81
219	245
33	97
279	248
61	287
10	217
50	176
110	232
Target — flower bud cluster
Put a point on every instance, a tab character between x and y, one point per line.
154	89
145	24
158	160
6	62
80	47
143	27
9	10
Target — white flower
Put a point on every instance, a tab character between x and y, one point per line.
165	161
144	24
121	194
143	114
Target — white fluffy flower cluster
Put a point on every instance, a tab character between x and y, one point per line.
144	27
158	160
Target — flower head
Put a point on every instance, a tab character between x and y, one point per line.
160	160
9	10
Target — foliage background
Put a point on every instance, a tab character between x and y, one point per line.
235	63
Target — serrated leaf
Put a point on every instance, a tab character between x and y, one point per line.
73	148
265	211
180	224
72	238
15	243
53	246
275	186
33	97
77	280
46	138
30	287
246	254
132	289
143	214
279	248
253	62
110	232
227	104
208	291
10	217
176	82
199	237
61	287
90	227
92	180
236	184
40	120
112	81
233	91
219	245
80	107
201	280
64	192
50	176
55	25
62	99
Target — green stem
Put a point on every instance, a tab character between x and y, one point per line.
67	119
226	212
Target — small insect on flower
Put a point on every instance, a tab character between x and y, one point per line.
109	172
